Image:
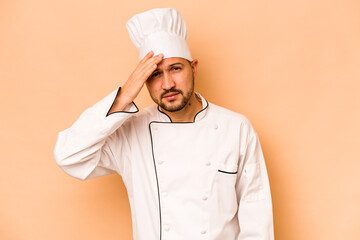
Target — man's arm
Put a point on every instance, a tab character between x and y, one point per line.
136	81
87	149
255	208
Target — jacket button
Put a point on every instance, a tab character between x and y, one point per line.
203	232
208	163
204	198
167	228
215	126
160	162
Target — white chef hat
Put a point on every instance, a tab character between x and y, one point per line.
161	30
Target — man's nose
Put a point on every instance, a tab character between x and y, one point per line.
167	81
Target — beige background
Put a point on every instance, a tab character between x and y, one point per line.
291	67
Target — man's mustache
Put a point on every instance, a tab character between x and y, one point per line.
171	90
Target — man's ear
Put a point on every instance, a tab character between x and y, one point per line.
194	65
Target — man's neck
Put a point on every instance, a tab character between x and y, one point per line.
187	114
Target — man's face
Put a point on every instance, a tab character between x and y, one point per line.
172	84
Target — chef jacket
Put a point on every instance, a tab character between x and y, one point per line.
204	179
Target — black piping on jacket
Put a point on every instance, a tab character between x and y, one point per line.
153	155
117	93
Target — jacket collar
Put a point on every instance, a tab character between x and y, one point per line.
200	115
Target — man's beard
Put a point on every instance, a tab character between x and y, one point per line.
183	102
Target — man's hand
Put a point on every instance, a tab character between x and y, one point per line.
135	83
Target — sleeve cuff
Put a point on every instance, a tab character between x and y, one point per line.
130	108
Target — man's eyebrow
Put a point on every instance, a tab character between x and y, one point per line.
171	65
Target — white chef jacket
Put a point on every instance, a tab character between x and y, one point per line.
186	181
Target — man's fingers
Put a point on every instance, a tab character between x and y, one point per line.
151	66
159	58
146	67
147	56
153	60
147	70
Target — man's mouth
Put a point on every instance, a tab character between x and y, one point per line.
170	96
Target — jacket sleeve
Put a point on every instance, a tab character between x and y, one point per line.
86	149
255	208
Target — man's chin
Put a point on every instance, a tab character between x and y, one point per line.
172	107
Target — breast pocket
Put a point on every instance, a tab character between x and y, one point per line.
224	192
226	176
231	169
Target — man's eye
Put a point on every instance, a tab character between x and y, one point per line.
155	75
176	68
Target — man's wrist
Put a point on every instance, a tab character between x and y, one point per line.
120	103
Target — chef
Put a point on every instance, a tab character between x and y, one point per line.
192	170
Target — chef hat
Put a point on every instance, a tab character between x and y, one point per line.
161	30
